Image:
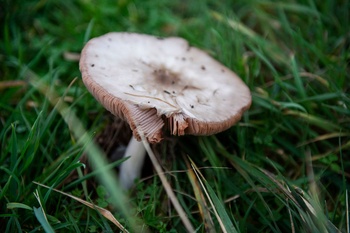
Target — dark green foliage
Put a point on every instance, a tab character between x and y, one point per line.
283	168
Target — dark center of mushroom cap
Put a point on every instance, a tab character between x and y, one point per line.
171	82
166	78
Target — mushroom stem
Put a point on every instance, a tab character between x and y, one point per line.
131	168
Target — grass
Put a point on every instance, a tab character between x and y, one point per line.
283	168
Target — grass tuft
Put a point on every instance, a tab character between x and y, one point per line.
283	168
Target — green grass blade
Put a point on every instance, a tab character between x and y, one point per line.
40	215
219	210
14	205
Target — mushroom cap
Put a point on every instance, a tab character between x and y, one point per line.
155	83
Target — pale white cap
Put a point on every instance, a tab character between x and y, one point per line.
162	83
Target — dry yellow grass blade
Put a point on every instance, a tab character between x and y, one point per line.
12	83
166	185
324	137
200	178
344	146
202	204
105	213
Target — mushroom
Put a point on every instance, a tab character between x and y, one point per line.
161	85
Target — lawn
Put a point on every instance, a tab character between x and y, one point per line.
285	167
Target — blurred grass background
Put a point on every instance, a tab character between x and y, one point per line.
283	168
